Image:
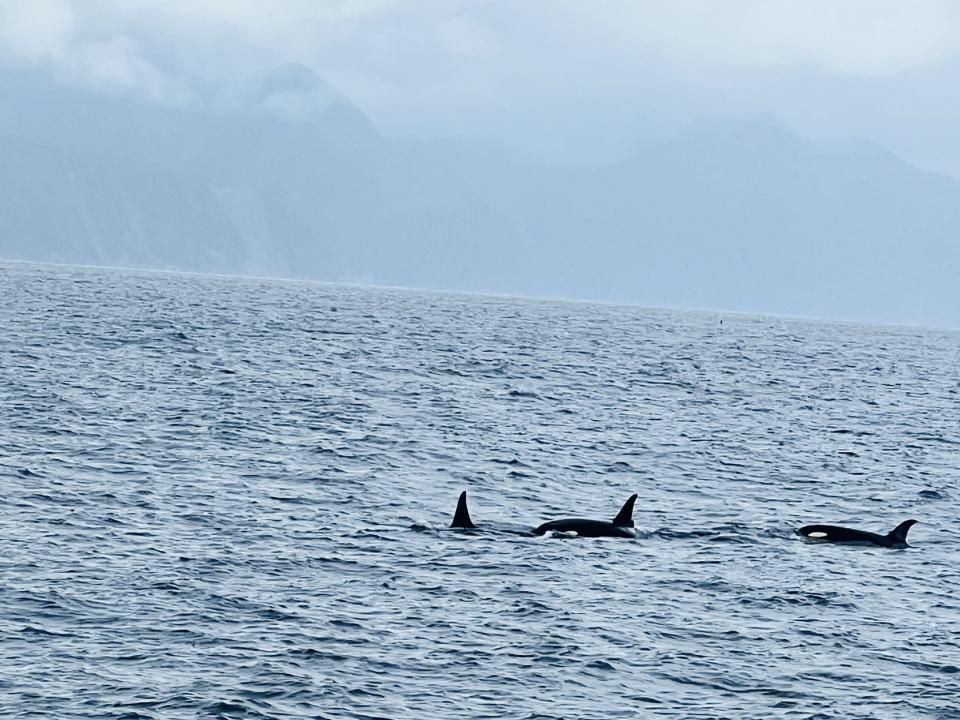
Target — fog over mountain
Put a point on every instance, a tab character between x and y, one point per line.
112	153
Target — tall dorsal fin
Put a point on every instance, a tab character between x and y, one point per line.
899	533
624	518
461	518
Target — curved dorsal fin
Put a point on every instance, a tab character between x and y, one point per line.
899	533
624	518
461	518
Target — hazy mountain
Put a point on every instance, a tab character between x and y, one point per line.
287	177
64	206
748	215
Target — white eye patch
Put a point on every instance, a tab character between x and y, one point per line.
817	535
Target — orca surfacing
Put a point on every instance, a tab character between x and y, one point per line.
896	538
621	526
461	518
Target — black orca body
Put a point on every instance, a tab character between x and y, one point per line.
621	526
896	538
461	518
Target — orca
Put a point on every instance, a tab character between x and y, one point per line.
461	518
621	526
896	538
463	521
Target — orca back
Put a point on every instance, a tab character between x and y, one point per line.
837	533
461	518
583	527
624	518
898	536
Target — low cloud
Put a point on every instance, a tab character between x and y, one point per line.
549	74
37	32
388	37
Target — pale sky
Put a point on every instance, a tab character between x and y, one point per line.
563	78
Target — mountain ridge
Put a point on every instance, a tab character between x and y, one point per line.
742	214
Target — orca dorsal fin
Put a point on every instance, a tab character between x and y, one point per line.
461	518
899	533
624	518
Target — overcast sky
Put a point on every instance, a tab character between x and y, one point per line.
565	78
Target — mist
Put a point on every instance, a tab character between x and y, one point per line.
797	158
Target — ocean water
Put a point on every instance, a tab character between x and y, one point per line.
228	498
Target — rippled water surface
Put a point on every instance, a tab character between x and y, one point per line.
228	498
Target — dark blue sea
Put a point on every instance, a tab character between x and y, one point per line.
229	498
